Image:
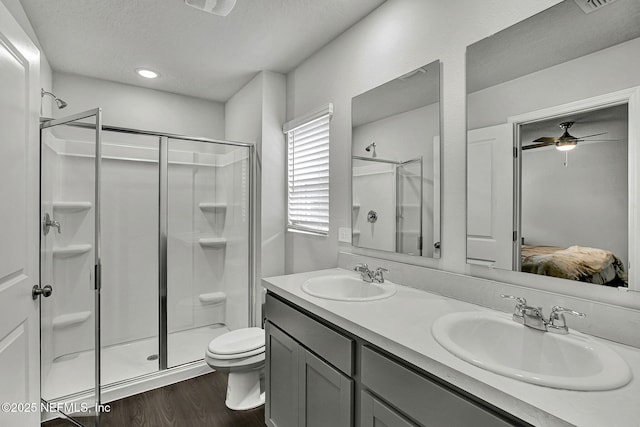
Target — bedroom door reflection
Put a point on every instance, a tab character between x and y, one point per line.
574	202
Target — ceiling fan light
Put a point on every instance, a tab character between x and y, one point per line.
566	145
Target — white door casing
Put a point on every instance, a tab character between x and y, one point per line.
19	225
490	196
631	97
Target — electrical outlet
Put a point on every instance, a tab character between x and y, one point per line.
344	234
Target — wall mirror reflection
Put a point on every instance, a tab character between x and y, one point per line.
396	165
552	145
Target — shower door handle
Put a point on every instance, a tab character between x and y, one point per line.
36	291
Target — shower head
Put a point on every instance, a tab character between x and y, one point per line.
370	147
59	102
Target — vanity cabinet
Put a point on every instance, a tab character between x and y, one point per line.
421	398
314	372
303	388
375	413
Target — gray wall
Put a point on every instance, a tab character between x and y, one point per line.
255	114
399	36
140	108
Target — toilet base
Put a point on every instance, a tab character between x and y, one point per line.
243	390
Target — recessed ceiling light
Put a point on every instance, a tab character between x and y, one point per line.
146	73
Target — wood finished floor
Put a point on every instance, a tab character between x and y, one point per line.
191	403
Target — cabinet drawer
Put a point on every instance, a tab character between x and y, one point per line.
420	398
332	346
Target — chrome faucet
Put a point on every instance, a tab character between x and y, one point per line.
378	275
533	317
557	323
365	273
370	276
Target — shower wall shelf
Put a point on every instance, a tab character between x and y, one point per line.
212	207
213	242
70	319
212	298
70	207
71	250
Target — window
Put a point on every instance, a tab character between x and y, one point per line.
308	172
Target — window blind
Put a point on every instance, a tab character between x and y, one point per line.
308	174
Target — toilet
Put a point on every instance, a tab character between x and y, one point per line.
241	354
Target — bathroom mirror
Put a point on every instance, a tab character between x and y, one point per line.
552	143
395	150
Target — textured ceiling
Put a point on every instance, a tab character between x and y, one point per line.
196	53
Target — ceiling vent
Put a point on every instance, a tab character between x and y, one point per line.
217	7
589	6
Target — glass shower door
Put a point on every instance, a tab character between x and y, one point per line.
206	284
70	264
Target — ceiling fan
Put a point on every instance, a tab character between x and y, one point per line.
564	142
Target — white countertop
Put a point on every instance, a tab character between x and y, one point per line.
402	323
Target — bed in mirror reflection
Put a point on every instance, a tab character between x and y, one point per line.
552	145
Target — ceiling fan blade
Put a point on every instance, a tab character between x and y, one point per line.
595	134
597	140
542	144
547	139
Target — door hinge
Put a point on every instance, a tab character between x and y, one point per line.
515	236
515	152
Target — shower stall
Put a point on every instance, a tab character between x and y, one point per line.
148	243
387	204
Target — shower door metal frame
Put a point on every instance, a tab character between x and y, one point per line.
163	235
71	120
420	203
163	225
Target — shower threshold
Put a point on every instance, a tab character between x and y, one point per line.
71	374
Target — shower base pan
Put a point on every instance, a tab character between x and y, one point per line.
73	374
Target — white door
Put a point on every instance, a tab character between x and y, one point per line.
19	225
490	196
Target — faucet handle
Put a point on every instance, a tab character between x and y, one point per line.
521	304
361	267
378	276
557	322
520	301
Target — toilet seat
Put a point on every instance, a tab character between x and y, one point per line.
238	342
238	348
234	356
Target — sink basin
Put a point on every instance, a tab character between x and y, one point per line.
493	341
342	287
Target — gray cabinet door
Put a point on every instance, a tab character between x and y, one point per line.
374	413
283	361
326	395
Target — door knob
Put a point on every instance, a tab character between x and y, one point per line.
36	291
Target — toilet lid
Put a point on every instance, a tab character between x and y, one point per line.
238	341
